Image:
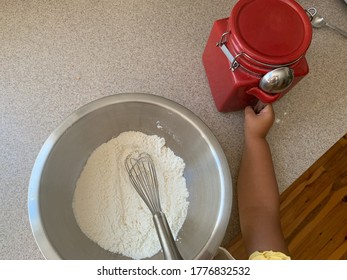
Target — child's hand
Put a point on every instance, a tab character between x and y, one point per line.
258	125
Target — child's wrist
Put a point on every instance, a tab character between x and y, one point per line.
255	136
253	139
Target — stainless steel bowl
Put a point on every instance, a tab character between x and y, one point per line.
67	149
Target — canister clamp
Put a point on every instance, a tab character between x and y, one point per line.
233	60
311	12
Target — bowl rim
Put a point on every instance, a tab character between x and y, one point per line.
41	237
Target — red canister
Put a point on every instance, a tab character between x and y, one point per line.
258	53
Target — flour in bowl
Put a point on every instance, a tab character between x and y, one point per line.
108	209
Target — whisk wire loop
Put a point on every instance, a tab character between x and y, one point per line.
143	177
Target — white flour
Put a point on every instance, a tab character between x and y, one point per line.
108	209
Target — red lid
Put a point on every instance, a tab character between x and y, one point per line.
270	31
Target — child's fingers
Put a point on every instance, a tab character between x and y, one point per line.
249	111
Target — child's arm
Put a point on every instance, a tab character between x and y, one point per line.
258	195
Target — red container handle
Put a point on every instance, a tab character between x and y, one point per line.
263	96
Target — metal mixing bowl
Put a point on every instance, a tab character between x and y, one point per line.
67	149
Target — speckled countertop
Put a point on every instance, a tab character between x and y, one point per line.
56	56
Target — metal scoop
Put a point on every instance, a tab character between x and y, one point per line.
277	80
274	82
318	22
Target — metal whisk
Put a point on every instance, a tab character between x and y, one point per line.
143	177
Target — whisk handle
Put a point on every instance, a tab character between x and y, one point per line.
165	237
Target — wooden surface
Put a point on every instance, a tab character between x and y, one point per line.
314	210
